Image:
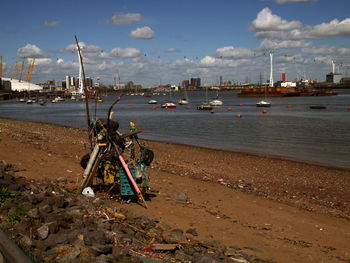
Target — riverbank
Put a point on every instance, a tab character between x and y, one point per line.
284	210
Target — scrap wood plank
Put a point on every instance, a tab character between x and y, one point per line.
164	246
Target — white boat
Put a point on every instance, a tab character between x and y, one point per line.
263	103
169	105
21	100
29	101
152	102
216	101
182	101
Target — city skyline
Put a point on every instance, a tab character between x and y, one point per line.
160	42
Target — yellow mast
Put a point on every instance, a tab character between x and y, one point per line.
1	68
14	75
28	70
20	74
31	70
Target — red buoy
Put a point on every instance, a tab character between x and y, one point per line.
240	105
212	111
188	107
289	106
264	111
154	108
239	116
130	104
348	108
229	109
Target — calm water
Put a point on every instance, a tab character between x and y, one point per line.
297	133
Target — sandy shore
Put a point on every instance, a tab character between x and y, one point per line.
284	210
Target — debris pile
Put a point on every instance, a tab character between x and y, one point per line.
53	222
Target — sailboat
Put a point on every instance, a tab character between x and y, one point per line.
216	101
170	104
265	103
205	105
183	101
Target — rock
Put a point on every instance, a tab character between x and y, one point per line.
26	241
102	259
45	209
95	237
206	259
192	231
119	252
181	197
43	231
71	256
33	213
181	256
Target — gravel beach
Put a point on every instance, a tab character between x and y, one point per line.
279	209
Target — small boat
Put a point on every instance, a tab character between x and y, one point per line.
99	100
215	102
263	103
204	107
42	103
29	101
169	105
318	107
21	100
152	102
182	101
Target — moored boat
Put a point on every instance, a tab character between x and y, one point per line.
169	105
263	103
152	102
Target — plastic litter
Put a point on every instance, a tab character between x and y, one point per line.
88	192
220	180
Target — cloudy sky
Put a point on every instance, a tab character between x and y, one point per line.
156	42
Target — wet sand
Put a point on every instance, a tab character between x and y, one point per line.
285	210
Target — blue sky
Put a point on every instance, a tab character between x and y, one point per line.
153	42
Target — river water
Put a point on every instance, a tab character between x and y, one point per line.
296	132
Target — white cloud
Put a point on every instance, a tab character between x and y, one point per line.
208	61
267	44
268	25
319	50
232	52
294	1
120	18
335	28
142	33
266	21
51	24
125	53
85	48
173	50
344	50
59	61
30	51
43	61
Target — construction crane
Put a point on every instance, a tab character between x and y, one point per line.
20	73
15	73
